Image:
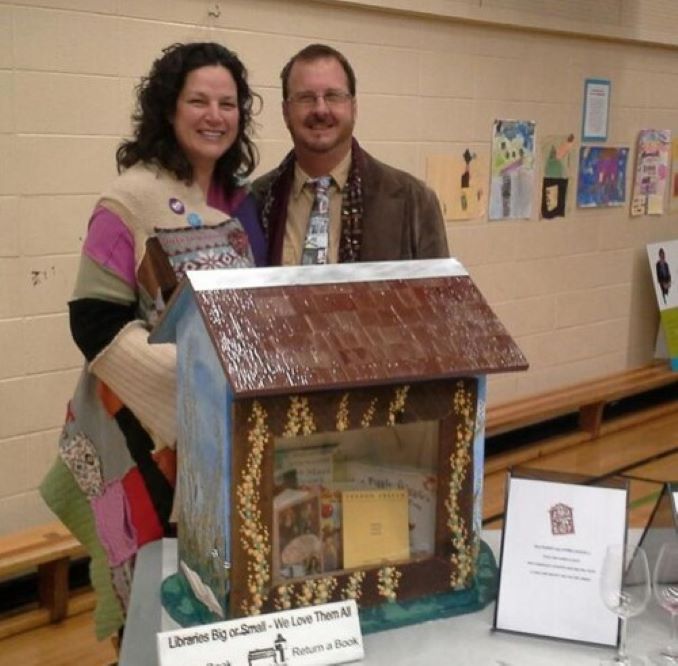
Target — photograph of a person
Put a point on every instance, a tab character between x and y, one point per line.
663	273
660	256
258	257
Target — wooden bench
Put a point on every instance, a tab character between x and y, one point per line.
50	549
588	400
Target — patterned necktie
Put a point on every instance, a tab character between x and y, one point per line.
318	232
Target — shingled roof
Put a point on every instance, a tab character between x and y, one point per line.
297	329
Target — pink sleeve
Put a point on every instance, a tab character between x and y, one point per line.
114	524
110	244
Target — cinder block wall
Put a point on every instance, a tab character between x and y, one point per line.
576	293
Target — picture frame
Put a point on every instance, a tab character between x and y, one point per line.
596	111
556	529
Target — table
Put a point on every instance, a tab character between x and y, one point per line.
466	640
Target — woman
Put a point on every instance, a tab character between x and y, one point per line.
178	204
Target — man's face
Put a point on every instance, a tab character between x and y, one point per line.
319	111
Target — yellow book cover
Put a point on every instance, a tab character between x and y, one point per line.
375	526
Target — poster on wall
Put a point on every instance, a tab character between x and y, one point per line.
460	182
596	110
652	172
663	258
673	195
602	176
512	183
556	154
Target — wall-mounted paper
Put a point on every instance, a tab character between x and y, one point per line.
652	172
460	181
602	176
673	194
663	258
596	109
512	184
556	153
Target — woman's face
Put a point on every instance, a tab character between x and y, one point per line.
206	116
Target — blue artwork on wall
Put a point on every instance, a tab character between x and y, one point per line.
602	176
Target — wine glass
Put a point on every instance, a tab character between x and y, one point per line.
665	583
625	590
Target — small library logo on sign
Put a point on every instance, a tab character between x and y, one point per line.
270	655
562	519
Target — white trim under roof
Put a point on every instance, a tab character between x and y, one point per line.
282	276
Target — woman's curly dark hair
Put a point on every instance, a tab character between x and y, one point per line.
154	139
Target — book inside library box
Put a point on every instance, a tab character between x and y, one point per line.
347	499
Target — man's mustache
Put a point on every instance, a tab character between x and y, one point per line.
319	121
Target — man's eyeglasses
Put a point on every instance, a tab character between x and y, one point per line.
309	99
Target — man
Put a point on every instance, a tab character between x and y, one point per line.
663	274
376	212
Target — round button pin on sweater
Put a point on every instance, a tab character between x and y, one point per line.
194	220
176	206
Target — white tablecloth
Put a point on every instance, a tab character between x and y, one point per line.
466	640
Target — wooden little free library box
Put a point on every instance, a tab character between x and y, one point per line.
331	431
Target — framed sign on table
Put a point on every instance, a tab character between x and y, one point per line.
556	531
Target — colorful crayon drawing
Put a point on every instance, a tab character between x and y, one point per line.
512	181
556	154
652	172
602	176
460	181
